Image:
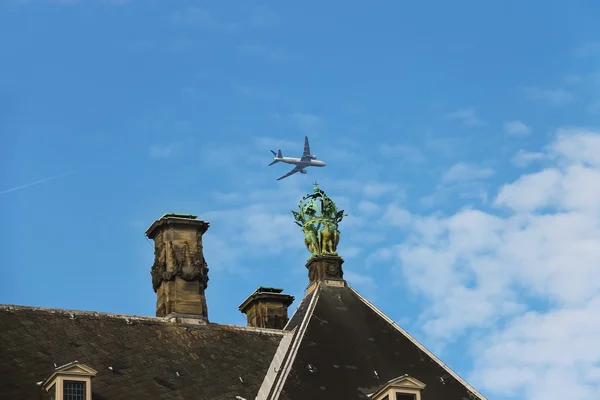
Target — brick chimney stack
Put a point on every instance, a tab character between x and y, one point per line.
179	272
267	308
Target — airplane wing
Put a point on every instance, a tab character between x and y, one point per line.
306	154
292	172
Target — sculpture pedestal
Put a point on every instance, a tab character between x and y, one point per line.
325	267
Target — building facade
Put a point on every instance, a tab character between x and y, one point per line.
336	345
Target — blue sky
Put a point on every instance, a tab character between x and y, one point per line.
461	137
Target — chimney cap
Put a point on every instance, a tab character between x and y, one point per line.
266	293
177	215
177	220
265	289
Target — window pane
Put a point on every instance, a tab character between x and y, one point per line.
74	390
52	392
387	397
405	396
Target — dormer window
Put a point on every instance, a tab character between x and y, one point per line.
72	381
74	390
401	388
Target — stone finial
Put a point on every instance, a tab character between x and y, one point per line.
319	218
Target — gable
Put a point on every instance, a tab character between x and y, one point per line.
349	350
76	368
406	382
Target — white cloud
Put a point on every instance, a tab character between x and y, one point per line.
201	18
523	281
593	107
468	181
378	189
260	51
588	49
516	128
407	153
251	231
467	117
396	216
545	356
524	158
544	187
461	172
307	123
255	93
270	143
555	97
369	189
363	283
573	79
71	2
349	251
577	145
163	151
262	18
368	207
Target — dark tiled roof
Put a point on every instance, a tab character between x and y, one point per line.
346	341
299	313
145	353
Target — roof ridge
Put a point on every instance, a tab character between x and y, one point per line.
419	345
16	308
10	308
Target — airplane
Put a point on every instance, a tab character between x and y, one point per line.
307	160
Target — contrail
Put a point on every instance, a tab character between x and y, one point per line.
35	183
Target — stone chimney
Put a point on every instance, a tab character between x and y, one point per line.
179	272
267	308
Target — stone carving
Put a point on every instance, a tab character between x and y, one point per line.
159	268
190	266
333	269
319	218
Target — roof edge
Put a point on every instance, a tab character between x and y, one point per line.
419	345
275	366
286	366
129	318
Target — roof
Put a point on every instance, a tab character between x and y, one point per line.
150	357
300	312
343	347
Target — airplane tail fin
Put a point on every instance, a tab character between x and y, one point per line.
277	156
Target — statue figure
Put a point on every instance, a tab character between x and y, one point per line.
319	218
310	240
327	240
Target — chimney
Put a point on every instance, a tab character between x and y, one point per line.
179	273
267	308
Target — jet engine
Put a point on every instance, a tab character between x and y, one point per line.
303	171
313	157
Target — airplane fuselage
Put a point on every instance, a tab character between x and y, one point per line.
299	162
307	160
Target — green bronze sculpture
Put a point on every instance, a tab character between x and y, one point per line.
319	218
